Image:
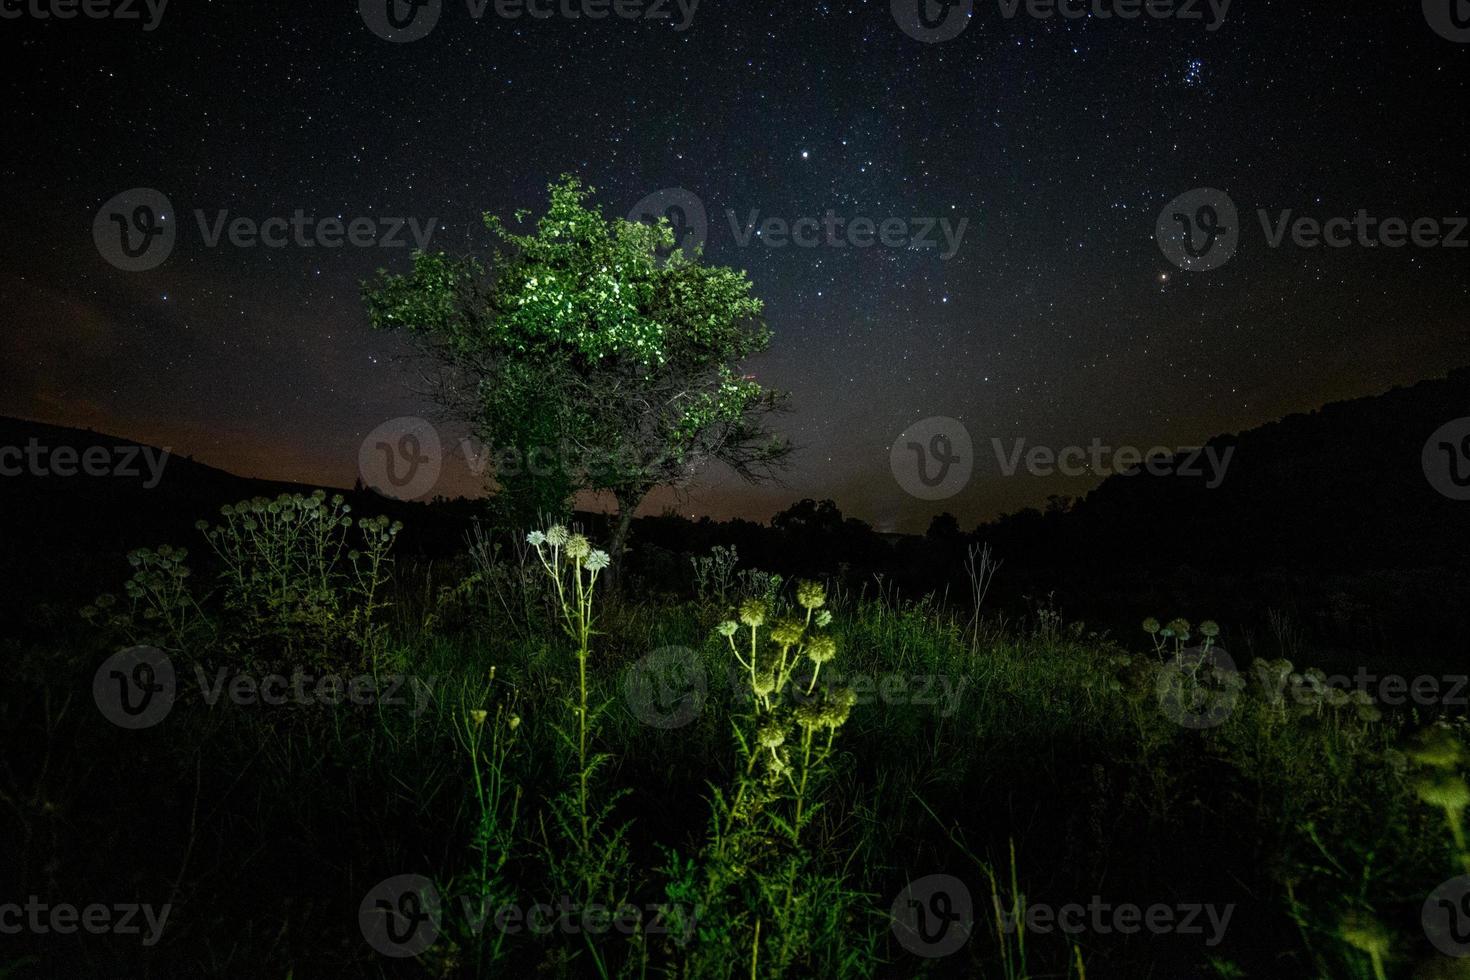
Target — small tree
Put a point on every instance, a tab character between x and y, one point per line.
586	361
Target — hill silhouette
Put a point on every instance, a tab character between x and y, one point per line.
1327	512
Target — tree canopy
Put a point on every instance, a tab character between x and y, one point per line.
585	360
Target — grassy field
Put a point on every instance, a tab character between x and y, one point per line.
508	766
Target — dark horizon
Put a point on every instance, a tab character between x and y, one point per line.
665	501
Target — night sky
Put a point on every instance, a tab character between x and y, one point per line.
1058	319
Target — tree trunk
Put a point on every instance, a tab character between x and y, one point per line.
618	547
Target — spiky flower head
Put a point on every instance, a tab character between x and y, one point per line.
1444	790
839	705
727	628
753	612
1435	746
1209	628
771	736
823	619
1177	627
786	633
810	715
1362	931
810	595
578	547
536	539
763	683
596	561
556	535
821	649
478	716
1150	626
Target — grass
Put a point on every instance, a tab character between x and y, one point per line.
670	796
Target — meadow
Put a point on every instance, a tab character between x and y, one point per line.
306	756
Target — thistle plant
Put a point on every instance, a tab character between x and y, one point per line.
158	594
487	733
293	567
714	574
1439	754
573	565
756	839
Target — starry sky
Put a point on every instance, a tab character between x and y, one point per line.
1058	319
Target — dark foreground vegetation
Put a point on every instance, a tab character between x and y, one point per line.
497	765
